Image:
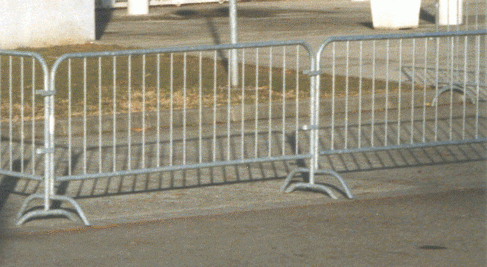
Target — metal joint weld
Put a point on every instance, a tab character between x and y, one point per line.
46	93
313	72
310	127
41	151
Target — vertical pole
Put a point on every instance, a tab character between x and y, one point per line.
314	118
49	180
233	39
313	165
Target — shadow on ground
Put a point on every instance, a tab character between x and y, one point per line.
7	187
102	18
86	160
427	16
82	160
222	12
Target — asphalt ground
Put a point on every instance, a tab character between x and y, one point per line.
434	229
405	213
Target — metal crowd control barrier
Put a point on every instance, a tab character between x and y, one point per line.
150	111
375	106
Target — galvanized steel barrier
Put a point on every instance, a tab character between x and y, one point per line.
135	112
382	95
149	111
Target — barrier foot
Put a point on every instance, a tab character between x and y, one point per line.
51	212
314	187
460	90
287	188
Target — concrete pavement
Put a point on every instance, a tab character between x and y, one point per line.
311	20
434	229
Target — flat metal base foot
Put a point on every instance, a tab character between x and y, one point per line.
314	187
459	89
287	187
24	216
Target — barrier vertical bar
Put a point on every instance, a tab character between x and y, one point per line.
477	81
158	124
129	113
256	118
296	131
143	110
100	121
333	91
171	111
200	107
10	113
114	115
386	112
452	57
231	53
464	102
399	93
213	141
360	95
283	141
33	103
85	124
269	129
347	93
185	78
425	73
413	85
437	66
242	112
372	124
70	121
22	113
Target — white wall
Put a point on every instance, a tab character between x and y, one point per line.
39	23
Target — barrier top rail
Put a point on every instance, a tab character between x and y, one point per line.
199	48
182	49
35	55
398	36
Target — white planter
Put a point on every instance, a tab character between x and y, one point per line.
451	12
138	7
395	14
